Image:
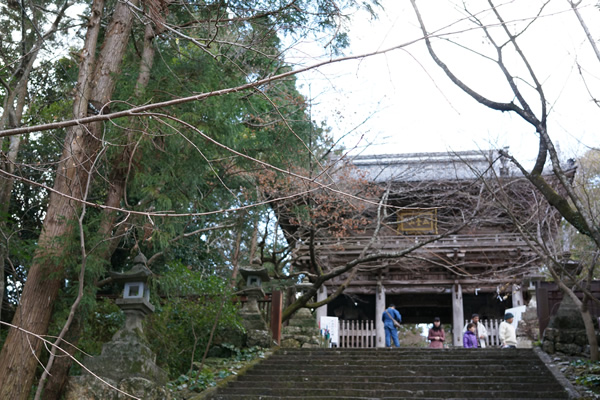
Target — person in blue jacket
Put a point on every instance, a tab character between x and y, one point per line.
388	317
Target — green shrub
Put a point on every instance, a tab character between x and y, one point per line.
214	370
179	329
104	321
588	373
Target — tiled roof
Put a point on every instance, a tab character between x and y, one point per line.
430	166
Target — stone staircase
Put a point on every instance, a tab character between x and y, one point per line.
396	374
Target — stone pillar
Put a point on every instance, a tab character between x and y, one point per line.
517	296
379	309
257	333
458	315
321	311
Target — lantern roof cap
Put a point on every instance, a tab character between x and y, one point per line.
138	273
255	270
304	283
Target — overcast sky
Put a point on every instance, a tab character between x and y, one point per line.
402	102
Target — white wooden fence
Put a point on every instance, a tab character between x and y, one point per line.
355	334
492	326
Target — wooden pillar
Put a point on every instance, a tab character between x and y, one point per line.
379	309
321	311
276	310
517	296
458	315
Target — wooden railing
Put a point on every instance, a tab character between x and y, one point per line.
497	242
355	334
449	241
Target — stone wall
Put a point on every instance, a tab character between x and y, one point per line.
572	342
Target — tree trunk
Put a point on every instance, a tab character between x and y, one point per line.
117	181
589	331
13	106
6	185
81	147
60	369
585	314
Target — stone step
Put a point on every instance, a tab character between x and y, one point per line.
342	379
406	350
374	374
466	355
471	355
398	394
445	396
483	385
443	370
282	361
437	356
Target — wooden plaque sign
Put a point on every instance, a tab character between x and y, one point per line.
417	221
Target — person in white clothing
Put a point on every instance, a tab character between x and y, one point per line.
480	330
507	333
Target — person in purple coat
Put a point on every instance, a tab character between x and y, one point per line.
436	335
470	339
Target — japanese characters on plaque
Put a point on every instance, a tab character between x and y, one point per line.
417	221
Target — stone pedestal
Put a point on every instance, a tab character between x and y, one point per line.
126	362
566	331
302	331
85	388
257	333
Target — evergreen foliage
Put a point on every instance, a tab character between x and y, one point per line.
180	328
195	160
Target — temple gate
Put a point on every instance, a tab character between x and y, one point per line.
448	247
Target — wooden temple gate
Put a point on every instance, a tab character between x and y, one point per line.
481	254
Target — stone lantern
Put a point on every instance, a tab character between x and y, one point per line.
135	302
257	333
126	361
532	281
254	275
302	288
